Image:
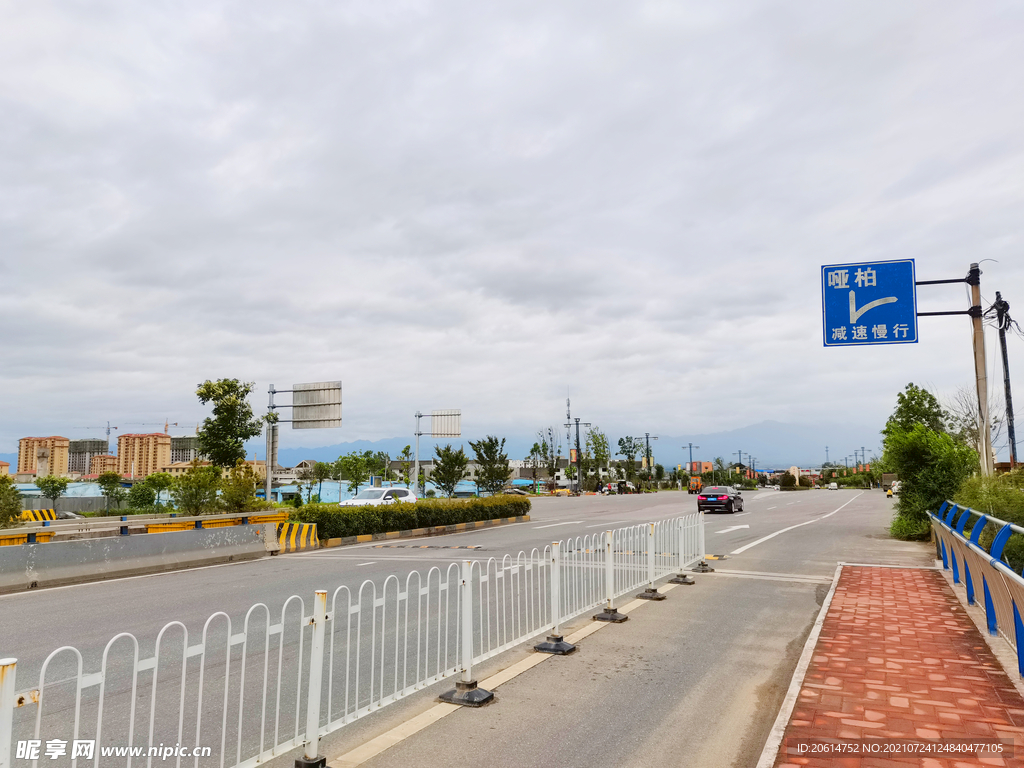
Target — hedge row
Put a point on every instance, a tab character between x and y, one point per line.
333	521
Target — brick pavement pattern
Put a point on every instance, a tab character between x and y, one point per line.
899	658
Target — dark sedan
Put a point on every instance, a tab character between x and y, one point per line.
719	498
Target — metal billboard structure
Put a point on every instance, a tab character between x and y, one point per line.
444	423
315	405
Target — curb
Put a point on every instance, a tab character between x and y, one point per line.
437	530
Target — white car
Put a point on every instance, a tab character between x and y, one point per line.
376	496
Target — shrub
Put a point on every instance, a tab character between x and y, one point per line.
909	529
333	521
1000	496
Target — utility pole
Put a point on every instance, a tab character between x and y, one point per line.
569	422
689	469
650	469
980	370
826	454
1003	322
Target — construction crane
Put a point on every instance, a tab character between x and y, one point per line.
167	425
107	429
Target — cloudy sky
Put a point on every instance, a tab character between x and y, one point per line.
485	205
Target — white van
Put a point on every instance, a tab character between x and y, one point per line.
833	486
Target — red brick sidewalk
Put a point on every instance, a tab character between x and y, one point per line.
898	658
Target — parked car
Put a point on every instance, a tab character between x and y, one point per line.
69	516
719	498
373	497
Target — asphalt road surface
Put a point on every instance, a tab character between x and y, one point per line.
699	676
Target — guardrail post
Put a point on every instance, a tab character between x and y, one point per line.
651	593
7	669
609	613
310	758
124	528
680	577
555	643
702	566
466	692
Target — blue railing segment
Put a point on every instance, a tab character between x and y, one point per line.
996	550
990	609
968	583
949	516
976	530
945	560
962	522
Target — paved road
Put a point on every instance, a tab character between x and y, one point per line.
699	675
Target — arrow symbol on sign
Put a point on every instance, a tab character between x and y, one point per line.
734	528
856	313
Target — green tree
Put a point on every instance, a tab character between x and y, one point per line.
536	460
160	482
598	450
916	405
110	484
405	457
629	447
195	491
52	487
322	470
223	436
354	469
787	480
238	488
10	502
931	466
141	495
492	464
449	469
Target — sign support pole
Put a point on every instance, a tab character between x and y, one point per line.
980	370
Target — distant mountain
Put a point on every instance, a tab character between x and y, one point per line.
773	443
10	458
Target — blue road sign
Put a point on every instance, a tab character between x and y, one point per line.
870	303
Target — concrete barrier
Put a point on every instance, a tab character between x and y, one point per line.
31	566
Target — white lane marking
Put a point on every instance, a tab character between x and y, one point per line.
372	562
555	525
773	535
771	508
741	514
732	528
614	522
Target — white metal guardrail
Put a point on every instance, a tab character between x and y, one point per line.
278	681
983	573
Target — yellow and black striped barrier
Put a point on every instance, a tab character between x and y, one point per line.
38	515
296	536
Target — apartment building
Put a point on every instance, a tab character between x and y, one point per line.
80	453
52	451
5	468
142	455
102	463
185	449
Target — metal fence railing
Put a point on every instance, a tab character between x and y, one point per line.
276	681
961	536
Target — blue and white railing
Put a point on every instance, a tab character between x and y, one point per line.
984	574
